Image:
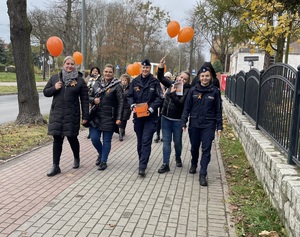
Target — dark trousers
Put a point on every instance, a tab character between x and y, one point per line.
123	124
198	136
57	147
144	129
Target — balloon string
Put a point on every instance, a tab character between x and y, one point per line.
167	54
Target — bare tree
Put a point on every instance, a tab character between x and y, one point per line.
28	98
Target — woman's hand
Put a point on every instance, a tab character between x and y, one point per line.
84	121
118	121
173	88
96	101
219	134
162	63
58	85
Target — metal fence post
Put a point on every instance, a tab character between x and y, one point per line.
258	99
294	132
243	103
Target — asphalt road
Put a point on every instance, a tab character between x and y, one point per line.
9	107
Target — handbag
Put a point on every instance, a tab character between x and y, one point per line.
141	110
92	113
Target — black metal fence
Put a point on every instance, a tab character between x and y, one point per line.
270	99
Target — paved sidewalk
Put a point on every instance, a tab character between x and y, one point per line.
114	202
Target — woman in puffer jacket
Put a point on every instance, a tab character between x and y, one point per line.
70	102
107	97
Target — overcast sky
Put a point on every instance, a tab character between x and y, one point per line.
177	9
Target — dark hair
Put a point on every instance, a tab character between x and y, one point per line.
97	70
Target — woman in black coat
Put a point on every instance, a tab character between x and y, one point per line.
70	96
107	96
125	80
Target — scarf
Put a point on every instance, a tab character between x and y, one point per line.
68	77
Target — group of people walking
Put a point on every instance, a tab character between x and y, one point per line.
105	103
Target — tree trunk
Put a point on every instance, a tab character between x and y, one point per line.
267	60
280	49
28	98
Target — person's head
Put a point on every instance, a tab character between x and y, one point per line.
205	76
69	64
212	70
108	72
184	77
125	79
95	71
146	68
168	75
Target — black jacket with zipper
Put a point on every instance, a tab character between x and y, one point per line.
110	107
173	104
68	104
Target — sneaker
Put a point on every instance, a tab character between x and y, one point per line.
102	166
203	180
193	169
164	168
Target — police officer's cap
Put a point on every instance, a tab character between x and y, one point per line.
204	69
146	62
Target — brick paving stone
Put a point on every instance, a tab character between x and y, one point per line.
114	202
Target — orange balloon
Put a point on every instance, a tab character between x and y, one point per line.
185	35
130	70
136	68
55	46
78	57
173	28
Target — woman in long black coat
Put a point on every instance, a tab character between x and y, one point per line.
107	96
70	97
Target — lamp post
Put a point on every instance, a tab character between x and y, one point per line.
83	37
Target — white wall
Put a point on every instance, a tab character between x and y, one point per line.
294	60
237	62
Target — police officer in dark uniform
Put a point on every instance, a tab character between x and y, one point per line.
145	89
203	107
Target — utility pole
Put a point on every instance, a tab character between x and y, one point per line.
83	37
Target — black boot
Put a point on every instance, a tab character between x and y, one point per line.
164	168
203	180
54	170
121	134
178	162
142	172
98	160
102	166
193	169
76	163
